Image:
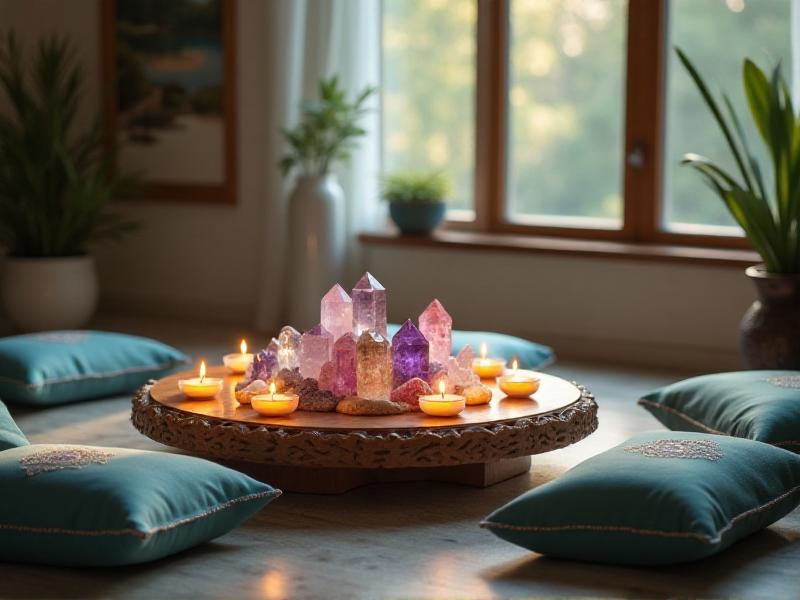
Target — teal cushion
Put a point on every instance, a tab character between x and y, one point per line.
758	405
92	506
10	435
659	498
529	354
65	366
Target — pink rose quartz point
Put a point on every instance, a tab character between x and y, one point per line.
369	306
344	358
336	312
327	376
373	367
316	346
410	391
436	325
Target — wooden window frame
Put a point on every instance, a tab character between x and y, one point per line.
645	78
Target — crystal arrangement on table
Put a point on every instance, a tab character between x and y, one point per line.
347	363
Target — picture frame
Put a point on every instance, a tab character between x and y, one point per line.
169	95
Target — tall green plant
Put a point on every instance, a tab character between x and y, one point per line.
55	182
327	130
767	211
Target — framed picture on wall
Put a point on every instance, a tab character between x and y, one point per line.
169	73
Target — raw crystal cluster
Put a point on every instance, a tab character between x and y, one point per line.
459	369
347	363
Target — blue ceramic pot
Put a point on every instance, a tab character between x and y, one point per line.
417	217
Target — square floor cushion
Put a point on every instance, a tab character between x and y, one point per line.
659	498
758	405
93	506
10	435
66	366
529	354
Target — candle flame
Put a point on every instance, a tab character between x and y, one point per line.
272	389
514	365
483	350
202	370
243	347
441	387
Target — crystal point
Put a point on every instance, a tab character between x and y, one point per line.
436	325
336	312
288	347
316	345
344	357
373	367
459	369
369	306
409	354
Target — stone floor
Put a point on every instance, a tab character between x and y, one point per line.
417	540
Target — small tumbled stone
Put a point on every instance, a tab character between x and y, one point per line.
476	394
353	405
410	391
245	391
314	399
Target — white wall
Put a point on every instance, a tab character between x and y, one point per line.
188	259
202	261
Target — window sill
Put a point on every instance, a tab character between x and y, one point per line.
471	240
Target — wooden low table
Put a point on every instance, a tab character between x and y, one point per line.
332	453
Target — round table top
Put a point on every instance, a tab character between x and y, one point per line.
554	394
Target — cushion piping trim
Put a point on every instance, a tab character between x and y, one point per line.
702	426
85	376
137	533
703	537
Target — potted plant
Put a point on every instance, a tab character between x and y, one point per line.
326	135
55	184
765	202
416	200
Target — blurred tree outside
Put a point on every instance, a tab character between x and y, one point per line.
566	98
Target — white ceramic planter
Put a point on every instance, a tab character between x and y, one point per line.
316	246
49	293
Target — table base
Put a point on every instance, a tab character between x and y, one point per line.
311	480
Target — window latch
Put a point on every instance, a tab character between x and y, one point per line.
637	156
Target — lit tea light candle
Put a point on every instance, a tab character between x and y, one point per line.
441	404
488	368
518	384
274	405
202	386
238	361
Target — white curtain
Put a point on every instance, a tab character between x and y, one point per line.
308	40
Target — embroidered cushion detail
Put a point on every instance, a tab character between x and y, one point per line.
659	498
62	457
758	405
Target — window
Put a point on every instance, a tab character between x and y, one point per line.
429	50
566	99
570	117
761	30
